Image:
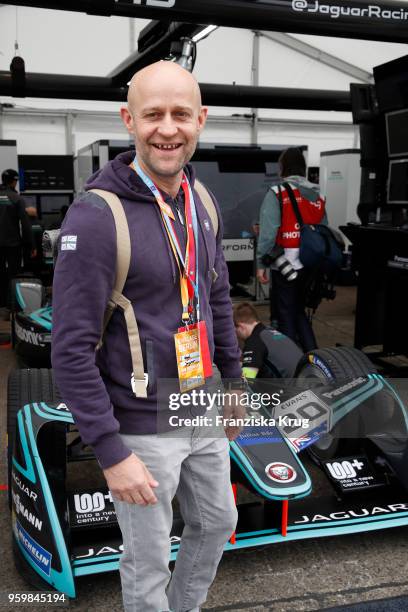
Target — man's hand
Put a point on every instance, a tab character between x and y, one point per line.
33	253
234	410
262	276
130	481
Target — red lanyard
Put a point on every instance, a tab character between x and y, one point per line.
186	264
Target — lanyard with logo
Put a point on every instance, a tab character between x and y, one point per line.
190	340
187	263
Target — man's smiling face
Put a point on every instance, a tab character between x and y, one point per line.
165	117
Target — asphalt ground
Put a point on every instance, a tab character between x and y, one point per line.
302	576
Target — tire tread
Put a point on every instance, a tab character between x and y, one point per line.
26	386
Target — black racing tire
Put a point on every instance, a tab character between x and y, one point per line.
13	329
25	387
341	362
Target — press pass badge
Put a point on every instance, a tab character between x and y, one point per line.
189	360
204	346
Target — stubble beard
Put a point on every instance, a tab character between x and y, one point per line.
170	173
163	173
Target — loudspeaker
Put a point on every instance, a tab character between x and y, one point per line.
391	84
364	105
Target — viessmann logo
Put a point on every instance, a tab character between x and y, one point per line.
373	11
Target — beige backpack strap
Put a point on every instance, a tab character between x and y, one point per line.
208	203
117	298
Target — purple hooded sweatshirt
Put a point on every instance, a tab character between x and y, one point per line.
96	386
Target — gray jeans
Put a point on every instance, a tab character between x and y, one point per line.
198	470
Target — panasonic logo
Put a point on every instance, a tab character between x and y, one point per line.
347	387
340	516
29	336
373	11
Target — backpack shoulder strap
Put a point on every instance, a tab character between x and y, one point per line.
117	299
208	204
122	237
294	204
280	199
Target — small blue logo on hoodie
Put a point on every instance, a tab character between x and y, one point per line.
206	225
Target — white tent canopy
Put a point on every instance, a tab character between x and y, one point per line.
62	42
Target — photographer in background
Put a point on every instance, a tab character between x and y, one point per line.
13	216
278	246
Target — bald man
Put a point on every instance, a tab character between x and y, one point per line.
144	470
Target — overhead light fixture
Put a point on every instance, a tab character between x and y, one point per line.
183	52
204	33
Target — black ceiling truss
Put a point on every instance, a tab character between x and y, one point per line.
103	88
383	20
176	19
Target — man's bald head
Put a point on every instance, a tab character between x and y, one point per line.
165	117
163	74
